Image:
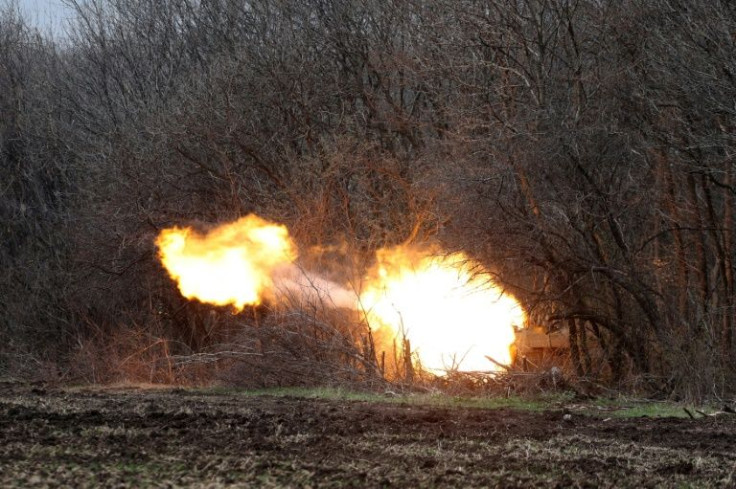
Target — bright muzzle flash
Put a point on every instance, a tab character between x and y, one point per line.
445	304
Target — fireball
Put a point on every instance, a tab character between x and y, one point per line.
445	305
233	264
453	315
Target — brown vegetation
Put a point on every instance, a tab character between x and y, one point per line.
580	150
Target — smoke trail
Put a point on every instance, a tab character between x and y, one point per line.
297	285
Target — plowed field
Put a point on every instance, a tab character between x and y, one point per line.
173	438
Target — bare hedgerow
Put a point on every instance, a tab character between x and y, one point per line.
582	151
39	177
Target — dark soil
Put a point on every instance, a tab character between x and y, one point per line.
168	438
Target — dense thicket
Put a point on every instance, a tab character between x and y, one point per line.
582	150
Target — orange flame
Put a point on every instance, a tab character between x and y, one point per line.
232	264
446	306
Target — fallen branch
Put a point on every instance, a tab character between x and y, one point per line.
713	415
503	366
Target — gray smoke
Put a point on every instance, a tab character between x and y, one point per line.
296	285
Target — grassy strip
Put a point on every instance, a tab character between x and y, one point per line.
540	403
621	407
618	407
626	407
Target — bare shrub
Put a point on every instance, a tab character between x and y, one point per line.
582	151
301	346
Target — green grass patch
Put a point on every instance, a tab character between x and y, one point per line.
621	407
537	403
